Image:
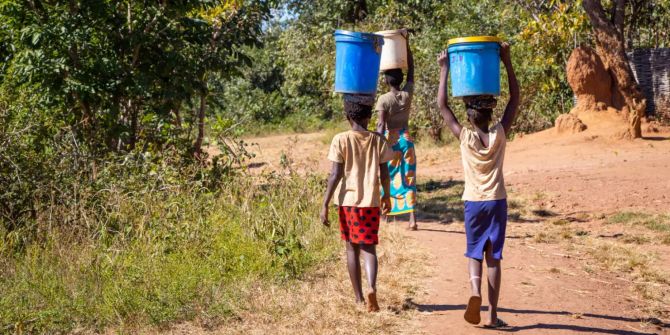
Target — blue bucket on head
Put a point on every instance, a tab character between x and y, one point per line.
474	63
357	57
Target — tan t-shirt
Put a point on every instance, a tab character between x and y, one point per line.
483	167
398	106
361	152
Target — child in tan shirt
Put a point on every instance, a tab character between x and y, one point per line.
483	153
359	168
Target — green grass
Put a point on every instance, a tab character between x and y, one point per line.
291	124
654	222
155	257
440	200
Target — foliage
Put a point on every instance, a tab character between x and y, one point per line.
150	244
120	74
302	47
543	34
646	24
550	33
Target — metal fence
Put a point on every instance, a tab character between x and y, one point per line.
651	68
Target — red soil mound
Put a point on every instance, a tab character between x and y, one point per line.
589	79
593	86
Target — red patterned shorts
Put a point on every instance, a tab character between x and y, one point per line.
359	225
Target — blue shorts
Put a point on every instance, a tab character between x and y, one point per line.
485	221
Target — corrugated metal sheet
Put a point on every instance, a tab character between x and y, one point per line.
651	68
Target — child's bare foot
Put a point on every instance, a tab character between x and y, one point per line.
413	226
472	311
372	302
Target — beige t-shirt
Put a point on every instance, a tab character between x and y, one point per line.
398	106
361	152
483	167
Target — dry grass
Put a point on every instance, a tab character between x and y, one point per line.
629	255
653	222
555	232
330	132
324	302
635	239
638	265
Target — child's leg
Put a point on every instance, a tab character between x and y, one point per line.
494	276
412	221
354	267
370	258
475	268
472	311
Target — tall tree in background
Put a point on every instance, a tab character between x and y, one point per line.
609	36
119	74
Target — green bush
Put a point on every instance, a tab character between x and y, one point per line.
153	242
148	236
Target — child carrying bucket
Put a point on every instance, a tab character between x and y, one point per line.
482	153
359	160
394	110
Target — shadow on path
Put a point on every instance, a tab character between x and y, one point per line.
575	328
655	138
440	201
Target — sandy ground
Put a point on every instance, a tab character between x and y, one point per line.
545	289
582	172
544	292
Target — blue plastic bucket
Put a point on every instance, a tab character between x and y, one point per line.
474	63
357	57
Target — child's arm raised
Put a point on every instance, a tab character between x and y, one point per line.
410	60
333	180
386	186
513	105
442	96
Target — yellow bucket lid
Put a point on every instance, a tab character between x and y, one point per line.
472	39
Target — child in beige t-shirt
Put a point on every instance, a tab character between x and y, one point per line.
359	169
483	153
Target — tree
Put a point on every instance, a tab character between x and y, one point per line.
120	73
609	36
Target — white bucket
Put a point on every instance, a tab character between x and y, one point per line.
394	51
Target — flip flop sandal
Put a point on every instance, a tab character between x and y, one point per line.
472	312
499	324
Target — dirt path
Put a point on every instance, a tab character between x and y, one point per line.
548	288
543	291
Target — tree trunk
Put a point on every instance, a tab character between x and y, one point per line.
197	146
358	11
612	50
619	16
133	124
177	116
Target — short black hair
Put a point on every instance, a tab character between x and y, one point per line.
393	77
480	117
357	112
